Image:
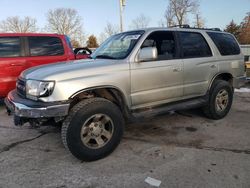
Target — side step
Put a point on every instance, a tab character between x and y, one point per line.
163	109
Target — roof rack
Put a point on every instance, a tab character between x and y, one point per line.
188	27
181	26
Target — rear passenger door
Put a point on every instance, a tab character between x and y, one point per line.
44	50
12	62
199	63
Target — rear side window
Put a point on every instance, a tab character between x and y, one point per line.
10	47
45	46
225	43
194	45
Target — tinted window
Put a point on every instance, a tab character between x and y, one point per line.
10	47
45	46
194	45
164	42
225	43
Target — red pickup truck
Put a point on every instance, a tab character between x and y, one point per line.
19	51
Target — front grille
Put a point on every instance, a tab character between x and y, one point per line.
20	87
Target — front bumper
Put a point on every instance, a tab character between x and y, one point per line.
34	109
239	82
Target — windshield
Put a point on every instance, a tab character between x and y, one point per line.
117	46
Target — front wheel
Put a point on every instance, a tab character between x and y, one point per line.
93	129
220	100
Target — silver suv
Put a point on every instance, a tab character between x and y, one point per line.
160	69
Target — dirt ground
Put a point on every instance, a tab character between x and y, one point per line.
182	149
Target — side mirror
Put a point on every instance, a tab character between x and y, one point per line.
147	54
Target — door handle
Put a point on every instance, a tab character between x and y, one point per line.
213	66
176	69
16	64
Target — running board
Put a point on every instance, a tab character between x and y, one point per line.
163	109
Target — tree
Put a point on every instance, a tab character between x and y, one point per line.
18	25
199	21
244	36
233	28
66	21
109	30
178	10
75	44
92	42
140	22
169	16
162	23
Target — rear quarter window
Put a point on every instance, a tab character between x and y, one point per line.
226	43
10	47
45	46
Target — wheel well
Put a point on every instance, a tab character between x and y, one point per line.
111	94
224	76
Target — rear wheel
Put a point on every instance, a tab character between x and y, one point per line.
93	129
220	100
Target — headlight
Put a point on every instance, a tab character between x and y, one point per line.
35	88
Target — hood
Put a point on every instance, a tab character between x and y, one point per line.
67	70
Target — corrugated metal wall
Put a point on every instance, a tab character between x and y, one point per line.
245	49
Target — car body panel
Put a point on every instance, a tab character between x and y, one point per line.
156	81
11	67
87	74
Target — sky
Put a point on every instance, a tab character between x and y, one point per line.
96	13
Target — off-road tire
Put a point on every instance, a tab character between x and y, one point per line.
210	109
73	124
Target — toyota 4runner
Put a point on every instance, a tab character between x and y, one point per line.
160	69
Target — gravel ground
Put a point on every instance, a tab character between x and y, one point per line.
182	149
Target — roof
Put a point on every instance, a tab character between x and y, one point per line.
151	29
29	34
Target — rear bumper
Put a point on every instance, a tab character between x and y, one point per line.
33	109
239	82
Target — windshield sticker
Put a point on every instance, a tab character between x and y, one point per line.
131	37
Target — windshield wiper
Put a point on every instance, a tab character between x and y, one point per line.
104	57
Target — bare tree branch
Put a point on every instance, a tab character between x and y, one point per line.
18	25
109	30
169	15
140	22
66	21
178	10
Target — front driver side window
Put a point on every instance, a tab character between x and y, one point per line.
164	42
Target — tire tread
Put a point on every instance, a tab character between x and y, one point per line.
208	110
85	105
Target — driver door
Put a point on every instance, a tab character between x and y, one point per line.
158	81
